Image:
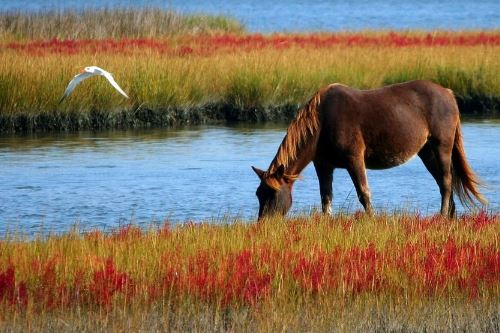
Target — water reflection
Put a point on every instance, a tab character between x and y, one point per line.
88	139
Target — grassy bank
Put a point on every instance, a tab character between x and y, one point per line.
344	273
111	23
225	78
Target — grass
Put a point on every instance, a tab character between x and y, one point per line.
185	80
111	23
307	273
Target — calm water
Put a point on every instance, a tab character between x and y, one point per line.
106	179
302	15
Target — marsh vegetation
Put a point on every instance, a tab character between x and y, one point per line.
345	273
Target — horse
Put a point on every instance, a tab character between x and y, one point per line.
344	127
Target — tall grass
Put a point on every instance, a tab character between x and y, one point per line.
344	273
111	23
182	80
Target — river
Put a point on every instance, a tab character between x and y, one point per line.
105	179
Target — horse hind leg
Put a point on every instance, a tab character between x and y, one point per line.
440	169
357	171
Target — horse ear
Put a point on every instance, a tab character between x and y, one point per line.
259	172
280	172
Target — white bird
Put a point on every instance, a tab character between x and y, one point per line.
86	73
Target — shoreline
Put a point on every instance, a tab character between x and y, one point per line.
208	114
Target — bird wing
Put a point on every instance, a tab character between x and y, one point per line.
108	76
74	82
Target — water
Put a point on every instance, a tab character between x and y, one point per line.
302	15
101	180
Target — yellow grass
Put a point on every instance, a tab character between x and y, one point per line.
34	84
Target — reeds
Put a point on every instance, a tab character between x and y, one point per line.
111	23
347	270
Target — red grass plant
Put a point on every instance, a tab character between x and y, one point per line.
109	281
207	45
439	258
437	268
237	278
10	292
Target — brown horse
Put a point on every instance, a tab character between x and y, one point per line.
343	127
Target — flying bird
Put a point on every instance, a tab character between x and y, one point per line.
88	72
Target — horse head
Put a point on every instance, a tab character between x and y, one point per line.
274	192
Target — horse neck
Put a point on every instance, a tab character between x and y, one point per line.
299	145
303	153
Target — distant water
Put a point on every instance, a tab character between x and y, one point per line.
103	179
302	15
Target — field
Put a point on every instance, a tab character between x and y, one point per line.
219	73
348	273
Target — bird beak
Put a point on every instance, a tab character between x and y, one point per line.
82	71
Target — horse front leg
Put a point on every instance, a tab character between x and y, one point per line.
357	171
325	177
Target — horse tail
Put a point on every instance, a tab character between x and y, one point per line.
465	182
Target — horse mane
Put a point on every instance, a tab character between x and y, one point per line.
304	126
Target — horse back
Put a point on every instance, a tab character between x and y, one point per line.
386	125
